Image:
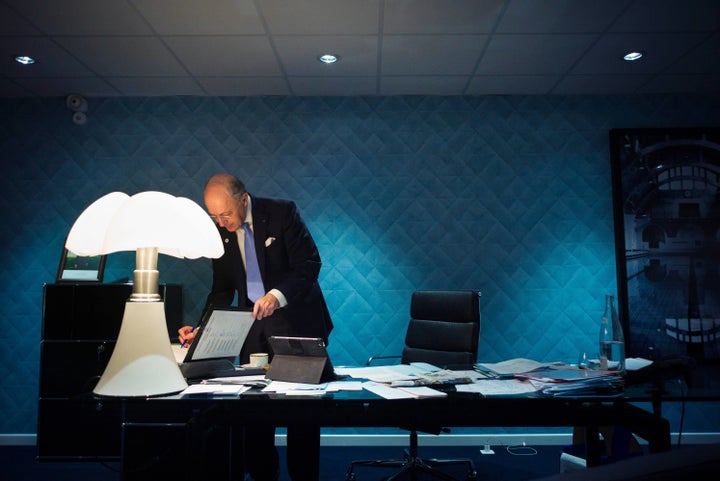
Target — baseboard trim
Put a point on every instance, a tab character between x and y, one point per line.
341	440
18	439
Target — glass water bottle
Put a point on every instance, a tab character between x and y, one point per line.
612	341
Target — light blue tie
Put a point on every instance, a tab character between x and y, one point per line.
255	287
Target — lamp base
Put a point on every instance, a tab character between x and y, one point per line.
142	363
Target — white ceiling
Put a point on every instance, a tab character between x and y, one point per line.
386	47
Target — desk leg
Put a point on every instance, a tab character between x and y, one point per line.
593	456
649	426
303	452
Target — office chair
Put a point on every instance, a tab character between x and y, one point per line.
444	329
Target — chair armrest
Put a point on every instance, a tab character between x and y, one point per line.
371	359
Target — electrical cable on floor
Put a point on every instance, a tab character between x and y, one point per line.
521	450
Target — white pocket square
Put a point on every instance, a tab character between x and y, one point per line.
269	241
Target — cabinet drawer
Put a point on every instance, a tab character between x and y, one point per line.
71	368
78	429
90	312
75	312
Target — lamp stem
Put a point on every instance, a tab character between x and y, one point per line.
146	276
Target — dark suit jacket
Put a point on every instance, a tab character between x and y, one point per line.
289	261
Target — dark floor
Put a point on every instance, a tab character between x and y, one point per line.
19	463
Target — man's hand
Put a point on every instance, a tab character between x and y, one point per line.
265	306
186	335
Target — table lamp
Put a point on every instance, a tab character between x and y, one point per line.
143	363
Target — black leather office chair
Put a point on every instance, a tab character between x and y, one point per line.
444	331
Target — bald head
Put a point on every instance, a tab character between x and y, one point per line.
230	183
226	200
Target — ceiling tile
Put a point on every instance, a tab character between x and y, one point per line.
82	17
682	83
660	50
193	17
242	86
51	59
599	85
431	54
124	56
699	59
12	90
60	87
559	16
427	85
225	56
13	24
669	16
333	85
511	84
533	54
358	55
440	16
331	17
155	86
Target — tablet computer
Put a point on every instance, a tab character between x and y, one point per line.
220	336
75	268
299	359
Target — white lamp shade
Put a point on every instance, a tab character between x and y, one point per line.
116	222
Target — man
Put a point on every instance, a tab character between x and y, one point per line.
290	302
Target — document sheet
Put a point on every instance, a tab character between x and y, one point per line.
223	335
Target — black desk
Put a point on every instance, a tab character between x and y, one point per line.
190	419
173	428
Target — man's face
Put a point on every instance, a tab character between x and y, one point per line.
224	209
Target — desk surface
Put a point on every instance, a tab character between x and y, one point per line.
700	384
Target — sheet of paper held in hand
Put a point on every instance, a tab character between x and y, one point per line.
224	335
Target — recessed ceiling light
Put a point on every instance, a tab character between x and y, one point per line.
328	58
25	60
630	56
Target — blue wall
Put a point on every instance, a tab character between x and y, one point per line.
508	195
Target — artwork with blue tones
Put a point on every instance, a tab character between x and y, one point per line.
667	219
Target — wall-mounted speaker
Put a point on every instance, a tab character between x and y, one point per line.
76	103
79	118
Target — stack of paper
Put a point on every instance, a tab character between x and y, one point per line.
511	367
576	382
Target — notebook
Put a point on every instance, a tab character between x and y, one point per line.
218	340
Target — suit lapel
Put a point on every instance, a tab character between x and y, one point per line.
234	259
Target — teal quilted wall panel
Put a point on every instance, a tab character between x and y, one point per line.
507	195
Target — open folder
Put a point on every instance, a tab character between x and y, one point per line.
220	336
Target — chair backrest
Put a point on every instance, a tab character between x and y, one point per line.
444	329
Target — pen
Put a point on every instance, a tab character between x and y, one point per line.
184	343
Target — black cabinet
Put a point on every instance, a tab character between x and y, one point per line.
80	325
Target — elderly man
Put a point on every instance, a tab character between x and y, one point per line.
272	263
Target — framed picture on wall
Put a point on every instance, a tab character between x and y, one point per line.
666	203
74	268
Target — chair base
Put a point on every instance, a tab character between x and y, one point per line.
412	465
